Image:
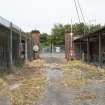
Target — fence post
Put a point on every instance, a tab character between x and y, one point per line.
20	44
88	50
100	49
10	45
80	48
26	57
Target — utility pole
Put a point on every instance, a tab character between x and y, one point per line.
71	34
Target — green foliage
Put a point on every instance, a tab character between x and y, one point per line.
58	34
44	39
58	31
94	27
80	29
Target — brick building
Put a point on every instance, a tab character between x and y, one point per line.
36	43
69	46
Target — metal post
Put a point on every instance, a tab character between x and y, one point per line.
20	44
65	47
88	50
26	57
100	50
51	45
31	46
10	49
80	50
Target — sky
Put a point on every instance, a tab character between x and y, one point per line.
43	14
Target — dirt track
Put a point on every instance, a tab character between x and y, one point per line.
71	84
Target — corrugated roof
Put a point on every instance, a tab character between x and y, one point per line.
7	23
91	33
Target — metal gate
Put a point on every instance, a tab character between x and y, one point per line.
3	52
15	49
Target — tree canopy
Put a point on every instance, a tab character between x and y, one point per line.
44	39
58	32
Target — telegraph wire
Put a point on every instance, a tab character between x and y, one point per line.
76	7
81	11
77	4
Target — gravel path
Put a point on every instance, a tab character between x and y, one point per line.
58	94
55	94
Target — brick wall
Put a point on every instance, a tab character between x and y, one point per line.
36	37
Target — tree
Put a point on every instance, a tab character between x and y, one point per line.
58	31
44	39
94	27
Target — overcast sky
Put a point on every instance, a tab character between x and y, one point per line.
43	14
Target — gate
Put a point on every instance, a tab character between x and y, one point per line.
4	52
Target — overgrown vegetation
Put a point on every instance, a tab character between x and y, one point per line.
86	82
77	74
24	86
